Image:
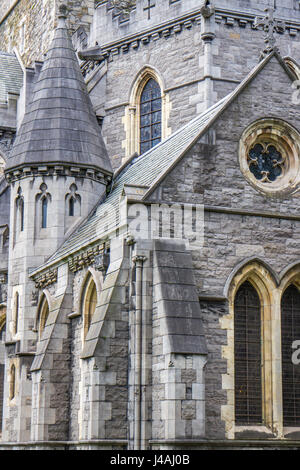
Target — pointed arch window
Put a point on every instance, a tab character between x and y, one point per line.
150	115
19	215
290	332
43	314
73	202
247	354
42	208
89	303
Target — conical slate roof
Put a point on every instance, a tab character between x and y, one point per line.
60	126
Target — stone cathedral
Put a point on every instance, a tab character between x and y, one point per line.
149	224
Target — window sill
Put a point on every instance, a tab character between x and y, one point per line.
292	432
253	432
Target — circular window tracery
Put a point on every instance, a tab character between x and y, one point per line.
266	163
269	156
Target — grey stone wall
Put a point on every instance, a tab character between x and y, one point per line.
178	56
234	230
39	20
176	59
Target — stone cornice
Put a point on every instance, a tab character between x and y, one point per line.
154	33
46	279
76	263
59	169
176	26
85	258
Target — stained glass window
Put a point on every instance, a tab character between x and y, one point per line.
150	116
265	162
290	332
247	353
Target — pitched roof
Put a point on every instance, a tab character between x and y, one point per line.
60	125
11	75
141	171
149	170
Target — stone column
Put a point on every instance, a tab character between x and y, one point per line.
138	260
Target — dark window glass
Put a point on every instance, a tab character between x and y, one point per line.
44	212
247	353
290	332
265	162
21	214
16	313
150	116
71	207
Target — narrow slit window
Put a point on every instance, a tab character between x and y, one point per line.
21	208
71	207
44	212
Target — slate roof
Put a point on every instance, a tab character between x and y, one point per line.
11	75
60	125
149	170
141	171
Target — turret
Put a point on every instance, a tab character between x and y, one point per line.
58	170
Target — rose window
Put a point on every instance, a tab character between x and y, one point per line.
265	162
269	157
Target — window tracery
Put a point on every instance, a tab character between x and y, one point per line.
270	156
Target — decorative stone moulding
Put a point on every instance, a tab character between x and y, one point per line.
269	156
111	51
46	279
88	257
62	170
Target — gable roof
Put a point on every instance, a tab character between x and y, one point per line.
149	170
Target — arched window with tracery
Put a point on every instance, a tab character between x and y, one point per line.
247	356
43	200
89	303
73	202
290	332
150	116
